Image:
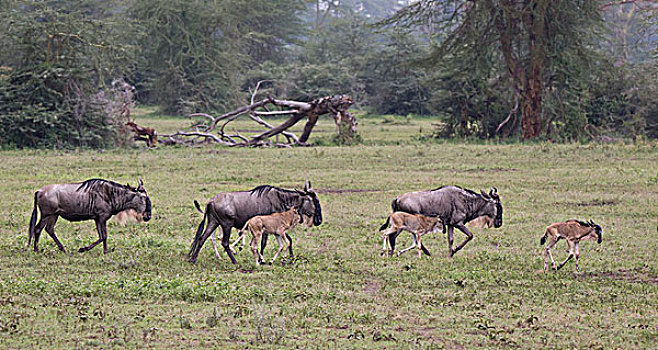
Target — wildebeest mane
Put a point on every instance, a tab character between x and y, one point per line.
92	184
262	189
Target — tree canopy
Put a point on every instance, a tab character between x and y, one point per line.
525	69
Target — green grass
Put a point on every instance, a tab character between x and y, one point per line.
340	293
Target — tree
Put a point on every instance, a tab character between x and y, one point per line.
57	66
529	38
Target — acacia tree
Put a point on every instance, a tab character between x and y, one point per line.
530	39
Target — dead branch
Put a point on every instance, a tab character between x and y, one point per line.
334	105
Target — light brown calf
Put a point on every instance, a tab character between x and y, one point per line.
417	224
481	222
573	231
276	224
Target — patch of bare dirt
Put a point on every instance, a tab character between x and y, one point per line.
371	287
346	190
636	275
594	203
489	170
597	203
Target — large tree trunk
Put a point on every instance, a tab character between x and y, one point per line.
531	98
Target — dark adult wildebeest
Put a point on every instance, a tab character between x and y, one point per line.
455	206
94	199
233	209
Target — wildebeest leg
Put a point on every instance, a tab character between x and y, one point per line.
226	236
468	234
37	231
50	228
290	254
391	241
547	254
570	243
263	243
451	233
577	254
424	250
100	227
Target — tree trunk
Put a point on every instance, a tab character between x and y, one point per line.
531	98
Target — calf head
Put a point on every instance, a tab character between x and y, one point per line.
598	231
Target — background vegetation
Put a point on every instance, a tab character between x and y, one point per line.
559	70
339	292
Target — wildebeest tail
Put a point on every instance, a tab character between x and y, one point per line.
394	205
198	206
385	225
543	238
33	220
199	231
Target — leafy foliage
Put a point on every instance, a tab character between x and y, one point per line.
49	96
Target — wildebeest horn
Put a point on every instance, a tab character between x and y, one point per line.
309	185
140	182
306	184
484	194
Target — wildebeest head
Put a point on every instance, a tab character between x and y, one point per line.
310	206
494	206
139	201
597	230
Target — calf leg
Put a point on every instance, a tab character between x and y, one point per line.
255	237
278	239
413	245
214	245
242	235
547	254
391	241
570	243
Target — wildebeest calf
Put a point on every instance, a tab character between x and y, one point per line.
417	224
277	224
573	231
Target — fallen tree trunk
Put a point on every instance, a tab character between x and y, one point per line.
204	133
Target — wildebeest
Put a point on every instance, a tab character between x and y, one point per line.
277	224
417	224
94	199
455	206
233	209
573	231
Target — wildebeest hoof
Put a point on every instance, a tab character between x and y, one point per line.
82	250
269	263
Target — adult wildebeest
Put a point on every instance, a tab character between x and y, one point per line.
94	199
573	231
455	206
233	209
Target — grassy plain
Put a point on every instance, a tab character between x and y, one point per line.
339	293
